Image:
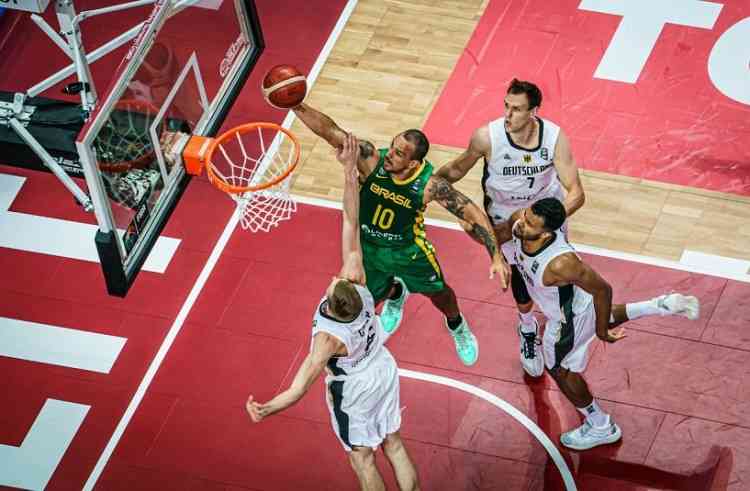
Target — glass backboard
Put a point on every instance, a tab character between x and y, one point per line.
181	74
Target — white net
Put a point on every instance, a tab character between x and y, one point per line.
124	141
256	157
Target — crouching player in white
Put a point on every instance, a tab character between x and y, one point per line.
578	305
347	340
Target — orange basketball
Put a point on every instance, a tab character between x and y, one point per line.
284	86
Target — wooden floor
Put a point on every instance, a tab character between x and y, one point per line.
388	69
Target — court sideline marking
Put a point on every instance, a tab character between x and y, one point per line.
692	262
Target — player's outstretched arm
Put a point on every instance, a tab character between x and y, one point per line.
352	268
324	347
479	146
320	124
568	269
567	170
326	128
441	191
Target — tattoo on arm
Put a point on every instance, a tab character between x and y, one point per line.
454	201
485	237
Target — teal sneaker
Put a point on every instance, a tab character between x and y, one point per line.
466	343
393	310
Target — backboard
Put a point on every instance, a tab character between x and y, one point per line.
182	73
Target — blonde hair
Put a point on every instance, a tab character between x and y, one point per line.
345	302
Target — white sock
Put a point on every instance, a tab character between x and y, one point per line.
594	414
641	309
527	322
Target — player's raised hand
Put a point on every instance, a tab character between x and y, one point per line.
256	410
348	155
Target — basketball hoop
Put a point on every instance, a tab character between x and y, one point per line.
252	163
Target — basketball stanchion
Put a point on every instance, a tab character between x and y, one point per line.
253	164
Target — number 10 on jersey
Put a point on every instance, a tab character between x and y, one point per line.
383	217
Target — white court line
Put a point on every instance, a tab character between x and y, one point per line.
56	345
202	277
691	262
514	413
33	233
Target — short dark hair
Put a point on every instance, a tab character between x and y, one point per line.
420	142
366	149
531	90
552	211
345	302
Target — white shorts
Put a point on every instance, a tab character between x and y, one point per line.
569	347
364	407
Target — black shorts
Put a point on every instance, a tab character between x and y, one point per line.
518	286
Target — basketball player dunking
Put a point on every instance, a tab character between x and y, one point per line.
526	158
397	184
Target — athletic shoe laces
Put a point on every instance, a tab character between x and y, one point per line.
529	345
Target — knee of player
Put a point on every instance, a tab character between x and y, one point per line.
361	458
392	443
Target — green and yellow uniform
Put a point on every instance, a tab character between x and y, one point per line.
391	217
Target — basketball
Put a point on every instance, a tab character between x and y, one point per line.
284	86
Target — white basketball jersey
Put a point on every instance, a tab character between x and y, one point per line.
515	177
558	303
363	336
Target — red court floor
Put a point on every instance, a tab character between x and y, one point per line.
677	388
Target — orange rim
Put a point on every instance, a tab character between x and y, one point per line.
143	160
220	183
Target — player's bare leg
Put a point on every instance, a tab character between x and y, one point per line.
466	343
362	460
403	467
668	304
598	429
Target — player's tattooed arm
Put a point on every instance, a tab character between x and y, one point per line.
453	200
440	190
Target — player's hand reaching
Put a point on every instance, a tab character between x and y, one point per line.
348	155
613	335
256	410
500	267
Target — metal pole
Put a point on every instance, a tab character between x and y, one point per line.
52	34
66	14
114	8
90	58
50	162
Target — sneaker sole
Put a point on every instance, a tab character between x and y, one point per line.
614	438
530	374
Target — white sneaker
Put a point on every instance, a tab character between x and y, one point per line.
678	304
532	358
587	436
